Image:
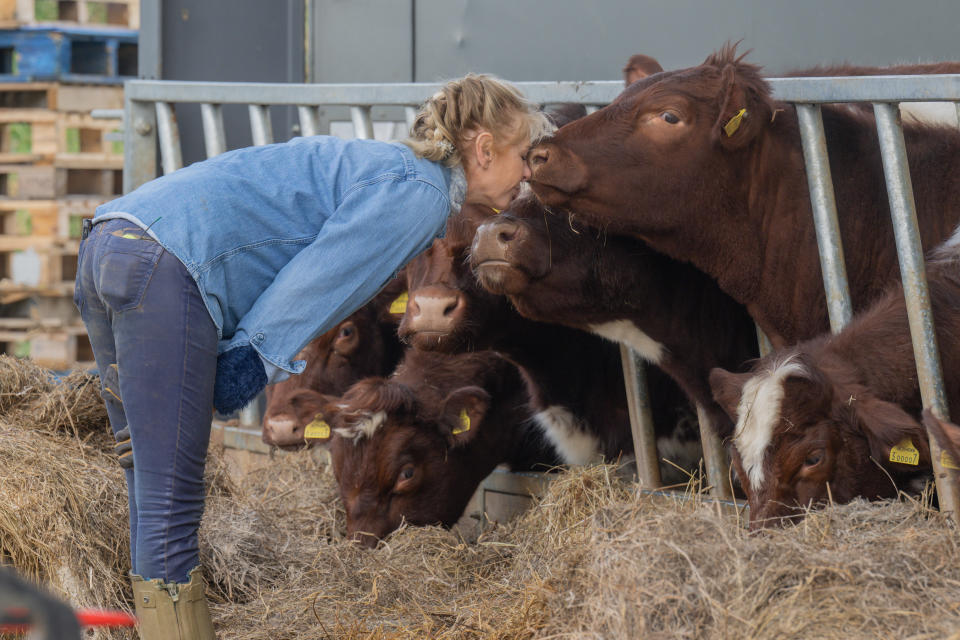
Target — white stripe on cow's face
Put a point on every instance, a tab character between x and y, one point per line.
568	436
364	425
759	412
626	332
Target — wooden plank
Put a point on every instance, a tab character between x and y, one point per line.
29	217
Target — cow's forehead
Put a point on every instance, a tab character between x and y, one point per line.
759	413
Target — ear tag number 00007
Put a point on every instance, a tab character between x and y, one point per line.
905	453
317	430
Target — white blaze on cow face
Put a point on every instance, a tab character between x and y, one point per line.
626	332
365	425
758	413
574	444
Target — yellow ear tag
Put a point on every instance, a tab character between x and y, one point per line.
946	460
317	430
905	453
464	423
734	123
495	210
400	304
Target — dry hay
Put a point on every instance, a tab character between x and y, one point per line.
596	559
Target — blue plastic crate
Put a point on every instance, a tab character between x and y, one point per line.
66	54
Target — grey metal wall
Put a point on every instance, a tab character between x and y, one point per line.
224	40
368	40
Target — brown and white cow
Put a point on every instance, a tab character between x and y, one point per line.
413	447
365	344
554	269
838	416
575	379
706	167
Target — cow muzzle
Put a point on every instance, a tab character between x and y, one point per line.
434	311
283	430
492	256
557	174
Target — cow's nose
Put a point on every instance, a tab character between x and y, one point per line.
506	232
434	310
538	156
282	430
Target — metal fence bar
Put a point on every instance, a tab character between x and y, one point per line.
715	459
309	122
763	342
261	128
410	115
362	123
825	215
913	275
139	143
214	137
641	420
169	136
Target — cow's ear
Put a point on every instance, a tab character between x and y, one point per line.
745	107
463	412
947	436
894	436
727	388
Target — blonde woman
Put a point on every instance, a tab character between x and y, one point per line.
200	287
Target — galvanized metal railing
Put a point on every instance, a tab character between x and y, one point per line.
150	124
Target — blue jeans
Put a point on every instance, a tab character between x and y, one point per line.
156	348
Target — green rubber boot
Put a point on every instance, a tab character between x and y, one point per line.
170	611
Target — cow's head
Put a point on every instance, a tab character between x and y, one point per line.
539	260
365	344
446	307
401	458
663	146
808	434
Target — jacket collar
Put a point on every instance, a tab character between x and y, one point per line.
458	188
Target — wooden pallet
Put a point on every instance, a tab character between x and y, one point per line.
60	219
71	140
59	349
42	264
60	97
116	13
48	182
68	54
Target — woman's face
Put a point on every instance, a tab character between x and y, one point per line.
494	173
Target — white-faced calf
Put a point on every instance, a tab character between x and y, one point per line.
838	416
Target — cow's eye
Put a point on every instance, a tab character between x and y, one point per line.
405	478
813	459
670	117
346	332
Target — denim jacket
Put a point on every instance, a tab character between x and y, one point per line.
286	240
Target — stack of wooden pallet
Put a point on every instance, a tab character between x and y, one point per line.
57	161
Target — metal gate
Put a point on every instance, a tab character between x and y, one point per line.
150	127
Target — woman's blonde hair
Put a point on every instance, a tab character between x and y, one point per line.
476	101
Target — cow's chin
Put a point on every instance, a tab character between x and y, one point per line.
435	341
501	278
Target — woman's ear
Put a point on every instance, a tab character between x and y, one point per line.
483	148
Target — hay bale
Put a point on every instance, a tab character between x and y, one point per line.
33	398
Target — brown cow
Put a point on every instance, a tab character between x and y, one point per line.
706	167
414	447
575	379
365	344
554	270
837	416
638	67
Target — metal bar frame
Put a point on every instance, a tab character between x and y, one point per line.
145	117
